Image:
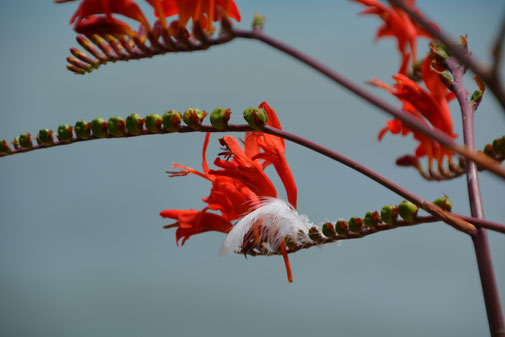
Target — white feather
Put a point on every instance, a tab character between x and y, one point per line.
279	220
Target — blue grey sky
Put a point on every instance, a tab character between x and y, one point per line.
82	249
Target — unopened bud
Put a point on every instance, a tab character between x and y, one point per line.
25	141
194	117
444	203
372	219
45	137
258	21
153	123
355	224
82	129
116	126
408	211
488	150
256	117
65	133
329	230
4	147
99	127
219	118
439	50
172	120
314	235
477	96
134	124
15	143
341	227
497	147
389	214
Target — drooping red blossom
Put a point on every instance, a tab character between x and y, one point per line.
202	12
429	105
239	183
85	18
397	24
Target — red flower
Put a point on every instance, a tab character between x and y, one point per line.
87	22
430	106
238	185
397	24
203	12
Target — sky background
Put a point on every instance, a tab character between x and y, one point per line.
82	249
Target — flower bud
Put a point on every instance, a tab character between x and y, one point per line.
444	203
372	219
477	96
15	143
439	50
314	235
355	224
194	117
172	120
408	211
329	230
4	147
488	150
497	147
99	127
341	227
258	21
256	117
134	124
25	141
65	133
219	118
45	137
389	214
153	123
82	129
116	126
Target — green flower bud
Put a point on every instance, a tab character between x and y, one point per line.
477	96
116	126
389	214
440	50
329	230
314	235
153	123
355	224
488	150
4	147
372	219
134	124
497	147
219	118
172	120
444	203
341	227
408	211
258	21
25	141
65	133
99	127
82	129
256	117
194	117
45	137
15	143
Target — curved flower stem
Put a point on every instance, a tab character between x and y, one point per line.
480	240
406	118
489	77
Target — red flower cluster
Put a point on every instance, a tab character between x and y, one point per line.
96	16
239	183
429	104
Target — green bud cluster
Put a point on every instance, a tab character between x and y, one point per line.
496	149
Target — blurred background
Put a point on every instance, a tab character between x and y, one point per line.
82	248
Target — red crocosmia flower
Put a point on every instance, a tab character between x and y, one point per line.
430	106
203	12
397	24
239	185
103	25
89	8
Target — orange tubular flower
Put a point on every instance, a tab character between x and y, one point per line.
238	186
87	23
397	24
430	106
203	12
